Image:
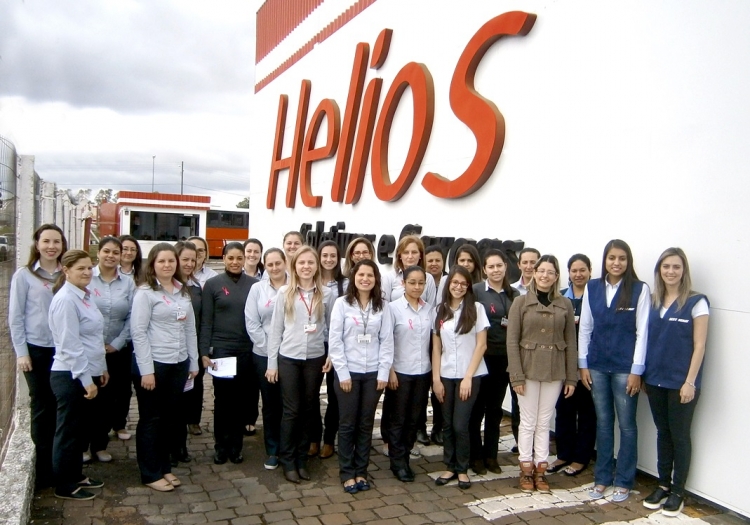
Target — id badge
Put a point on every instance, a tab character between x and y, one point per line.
504	322
578	317
311	328
181	315
364	338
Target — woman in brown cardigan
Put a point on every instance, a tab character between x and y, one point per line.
542	355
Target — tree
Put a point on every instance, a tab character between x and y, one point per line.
80	197
105	195
244	203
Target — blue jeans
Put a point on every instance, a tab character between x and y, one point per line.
608	391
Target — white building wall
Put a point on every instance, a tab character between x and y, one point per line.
623	120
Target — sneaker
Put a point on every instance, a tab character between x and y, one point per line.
86	457
673	506
104	456
78	494
89	483
656	499
271	463
620	495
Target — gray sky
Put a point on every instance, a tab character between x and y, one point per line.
95	88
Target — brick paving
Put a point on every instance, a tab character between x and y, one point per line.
247	494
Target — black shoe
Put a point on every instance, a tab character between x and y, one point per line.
673	506
444	481
220	458
514	449
89	483
478	467
183	456
492	466
422	437
656	499
291	476
303	473
464	485
237	459
403	475
78	494
437	437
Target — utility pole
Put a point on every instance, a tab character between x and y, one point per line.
182	175
153	166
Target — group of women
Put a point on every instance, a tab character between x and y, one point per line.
285	319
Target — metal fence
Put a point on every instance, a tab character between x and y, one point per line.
7	267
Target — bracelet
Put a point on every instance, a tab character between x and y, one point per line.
691	384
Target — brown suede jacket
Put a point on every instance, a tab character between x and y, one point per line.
542	341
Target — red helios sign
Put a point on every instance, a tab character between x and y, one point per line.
372	125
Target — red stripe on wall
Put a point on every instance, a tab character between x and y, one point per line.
198	199
276	19
322	35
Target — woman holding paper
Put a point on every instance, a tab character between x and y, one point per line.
296	356
223	329
162	326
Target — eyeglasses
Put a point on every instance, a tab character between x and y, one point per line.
551	273
361	254
460	284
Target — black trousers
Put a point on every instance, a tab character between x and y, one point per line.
489	406
331	420
158	418
272	408
231	397
193	400
673	444
43	410
575	426
300	381
252	396
406	404
356	421
437	411
456	416
74	413
119	390
515	414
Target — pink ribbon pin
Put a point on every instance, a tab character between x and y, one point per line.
226	292
87	305
355	320
165	299
411	325
96	292
268	304
492	308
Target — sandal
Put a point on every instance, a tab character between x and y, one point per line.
570	471
597	492
161	485
172	479
620	494
557	468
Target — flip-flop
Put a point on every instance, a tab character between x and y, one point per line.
557	468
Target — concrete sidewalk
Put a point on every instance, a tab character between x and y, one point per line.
247	494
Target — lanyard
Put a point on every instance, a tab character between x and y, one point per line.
308	307
365	319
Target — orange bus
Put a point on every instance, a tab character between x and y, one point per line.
223	226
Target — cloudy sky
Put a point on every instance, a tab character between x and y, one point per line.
94	89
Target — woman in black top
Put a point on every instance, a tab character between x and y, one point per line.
496	295
223	332
575	419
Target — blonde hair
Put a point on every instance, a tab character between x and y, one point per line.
402	244
660	289
291	292
554	292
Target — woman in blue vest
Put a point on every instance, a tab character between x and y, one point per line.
613	331
575	417
677	330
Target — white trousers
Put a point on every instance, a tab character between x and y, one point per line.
537	406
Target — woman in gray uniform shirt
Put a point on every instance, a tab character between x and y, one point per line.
30	297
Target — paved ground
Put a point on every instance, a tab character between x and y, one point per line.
247	494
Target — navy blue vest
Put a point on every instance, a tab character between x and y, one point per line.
670	345
613	340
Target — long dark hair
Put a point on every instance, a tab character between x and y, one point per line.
629	278
69	259
35	255
138	261
338	275
468	317
476	275
260	262
376	295
493	252
150	274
